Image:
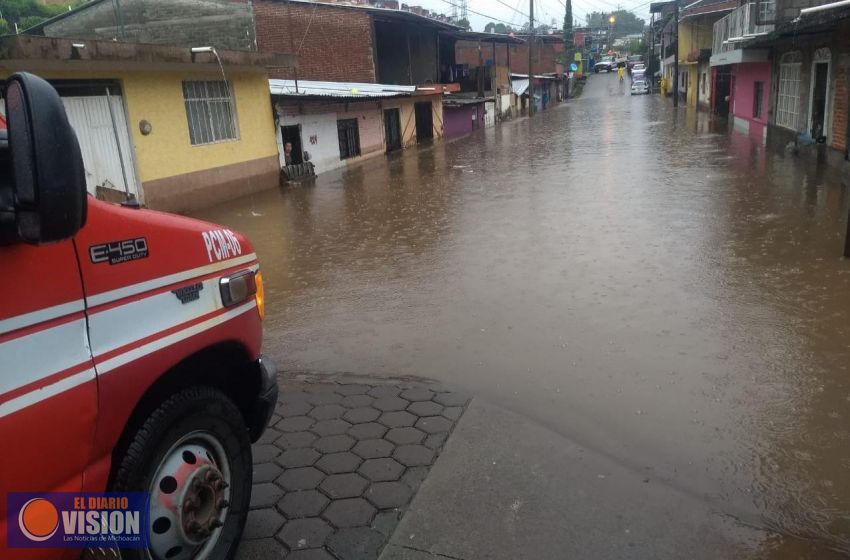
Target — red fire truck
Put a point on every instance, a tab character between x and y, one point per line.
129	346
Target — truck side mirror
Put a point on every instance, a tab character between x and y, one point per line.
42	180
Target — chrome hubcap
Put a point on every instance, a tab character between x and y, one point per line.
190	495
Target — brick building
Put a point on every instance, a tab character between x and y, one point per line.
343	49
340	42
340	47
547	55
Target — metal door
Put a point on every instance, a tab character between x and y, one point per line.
489	114
722	90
424	121
392	129
92	121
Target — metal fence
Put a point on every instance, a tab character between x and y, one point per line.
745	22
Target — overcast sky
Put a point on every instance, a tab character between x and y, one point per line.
515	12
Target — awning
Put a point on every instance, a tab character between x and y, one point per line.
310	88
449	100
519	86
536	76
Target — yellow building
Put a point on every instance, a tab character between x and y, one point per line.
695	37
169	125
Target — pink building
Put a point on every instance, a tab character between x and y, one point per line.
748	100
741	75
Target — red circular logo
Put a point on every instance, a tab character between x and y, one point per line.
38	519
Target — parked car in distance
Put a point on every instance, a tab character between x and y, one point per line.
639	75
634	60
639	87
604	65
639	67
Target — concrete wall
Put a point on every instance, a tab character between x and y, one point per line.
337	42
370	123
225	24
696	33
744	77
437	116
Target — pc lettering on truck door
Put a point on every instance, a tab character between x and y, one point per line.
48	392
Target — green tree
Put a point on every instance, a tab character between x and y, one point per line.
635	46
568	24
29	21
626	23
26	13
4	27
463	22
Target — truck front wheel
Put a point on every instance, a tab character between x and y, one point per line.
193	455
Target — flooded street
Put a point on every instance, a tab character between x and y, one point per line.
669	297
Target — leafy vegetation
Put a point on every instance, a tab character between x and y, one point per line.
26	13
498	28
625	22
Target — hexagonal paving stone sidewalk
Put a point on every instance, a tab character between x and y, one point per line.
339	464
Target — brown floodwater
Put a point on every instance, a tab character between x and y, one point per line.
636	278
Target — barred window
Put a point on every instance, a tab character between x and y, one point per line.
210	112
788	96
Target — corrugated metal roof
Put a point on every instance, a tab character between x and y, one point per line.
309	88
536	76
519	86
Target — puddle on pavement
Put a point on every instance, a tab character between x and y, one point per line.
627	275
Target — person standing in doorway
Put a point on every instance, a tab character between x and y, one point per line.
287	153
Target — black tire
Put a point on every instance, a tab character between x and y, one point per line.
194	409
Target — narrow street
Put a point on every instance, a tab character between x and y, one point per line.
666	296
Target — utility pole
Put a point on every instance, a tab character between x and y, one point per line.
676	53
480	76
651	52
530	46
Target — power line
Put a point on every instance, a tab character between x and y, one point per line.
478	13
514	9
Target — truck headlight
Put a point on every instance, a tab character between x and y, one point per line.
238	288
